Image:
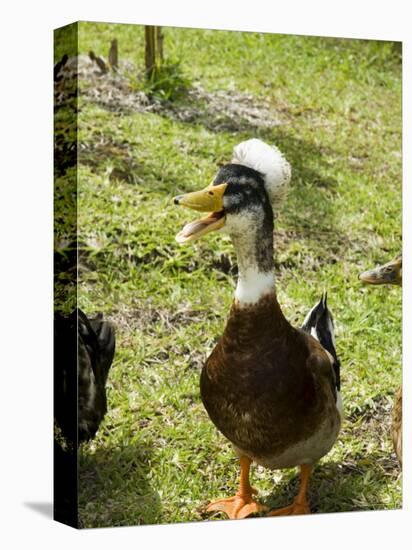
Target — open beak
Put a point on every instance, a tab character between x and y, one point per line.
208	200
390	273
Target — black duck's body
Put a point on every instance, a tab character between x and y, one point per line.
84	351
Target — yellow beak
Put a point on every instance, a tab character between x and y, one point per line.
207	200
210	200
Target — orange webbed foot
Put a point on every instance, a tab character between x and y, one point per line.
242	504
294	509
237	507
300	505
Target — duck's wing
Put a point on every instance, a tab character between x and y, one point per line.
319	324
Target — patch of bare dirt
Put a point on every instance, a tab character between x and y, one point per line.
144	316
218	110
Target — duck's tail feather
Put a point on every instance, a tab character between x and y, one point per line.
319	324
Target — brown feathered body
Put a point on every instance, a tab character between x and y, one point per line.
270	389
397	424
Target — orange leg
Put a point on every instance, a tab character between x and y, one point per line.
300	505
242	504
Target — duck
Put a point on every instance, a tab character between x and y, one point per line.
268	387
386	274
88	342
390	273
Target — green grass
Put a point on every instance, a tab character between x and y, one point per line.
157	458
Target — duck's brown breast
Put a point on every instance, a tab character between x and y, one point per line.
257	385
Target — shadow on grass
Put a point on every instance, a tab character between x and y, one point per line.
310	214
114	488
310	208
336	487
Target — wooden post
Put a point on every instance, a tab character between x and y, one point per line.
159	41
153	49
99	61
114	55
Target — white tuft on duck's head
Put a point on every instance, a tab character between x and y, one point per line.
244	196
268	161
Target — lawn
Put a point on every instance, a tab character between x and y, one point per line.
333	106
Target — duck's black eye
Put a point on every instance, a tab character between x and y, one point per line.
211	193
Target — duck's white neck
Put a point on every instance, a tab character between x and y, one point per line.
256	266
252	285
